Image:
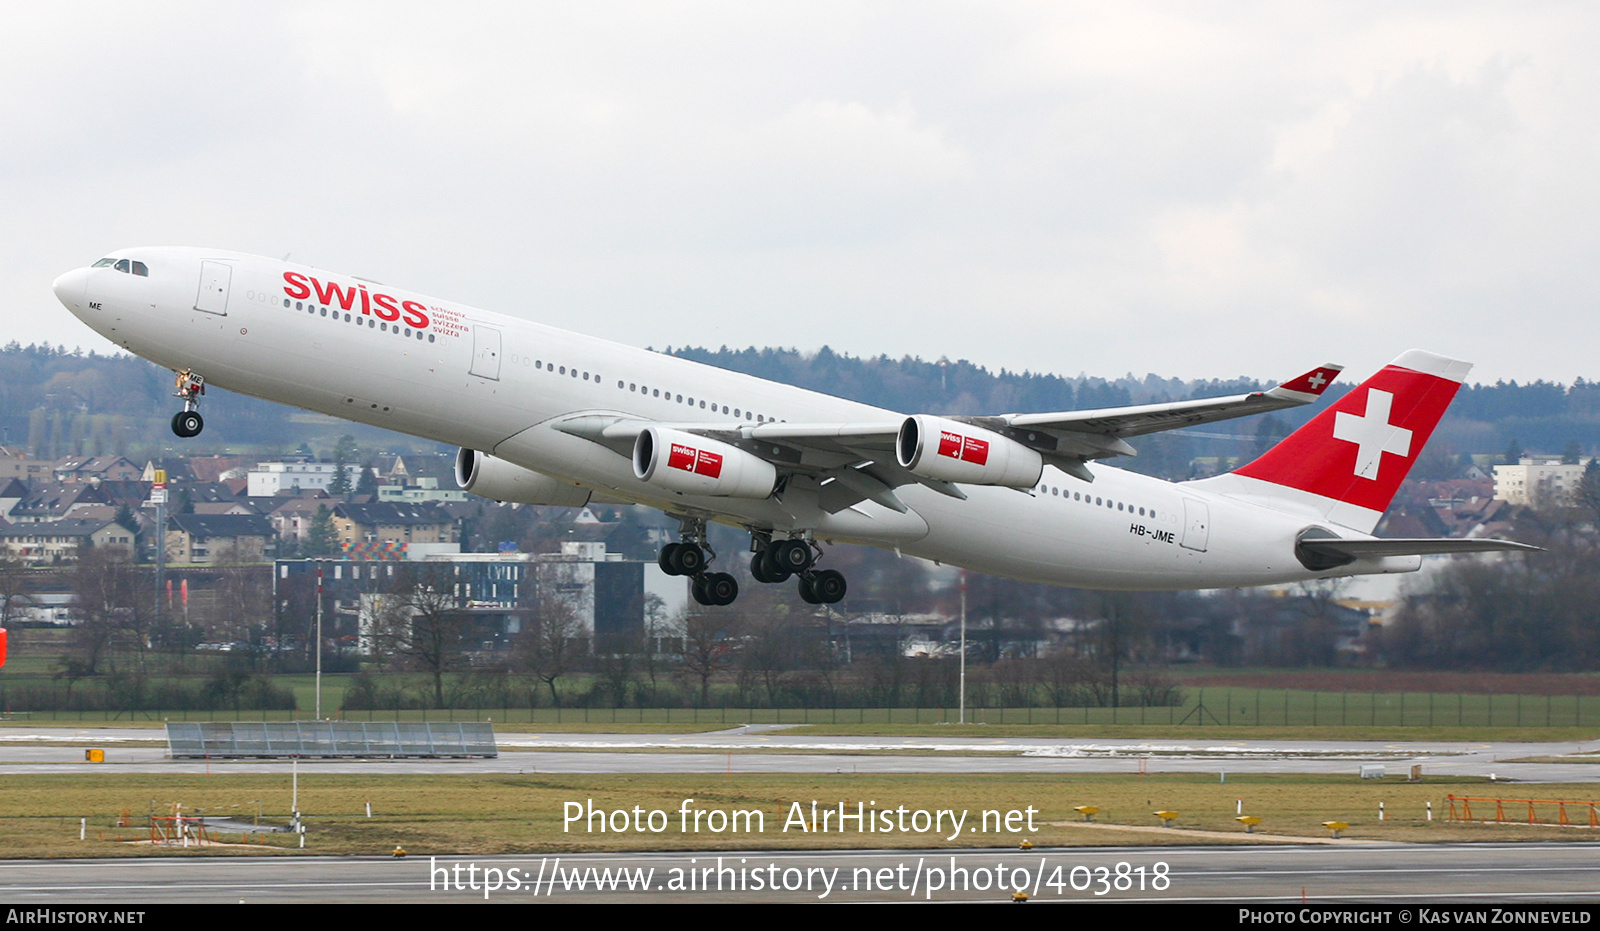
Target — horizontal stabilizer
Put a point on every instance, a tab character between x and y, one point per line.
1331	553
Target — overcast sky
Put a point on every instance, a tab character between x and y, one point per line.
1189	189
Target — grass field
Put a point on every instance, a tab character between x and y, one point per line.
1134	732
464	814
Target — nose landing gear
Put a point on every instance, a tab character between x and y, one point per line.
188	422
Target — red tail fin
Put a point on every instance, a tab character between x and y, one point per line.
1352	457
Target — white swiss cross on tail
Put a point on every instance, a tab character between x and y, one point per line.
1373	434
1349	460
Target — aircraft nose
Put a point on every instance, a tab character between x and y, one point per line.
70	288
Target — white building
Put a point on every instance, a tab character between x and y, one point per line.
274	478
1537	480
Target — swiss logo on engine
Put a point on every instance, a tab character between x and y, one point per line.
964	448
698	461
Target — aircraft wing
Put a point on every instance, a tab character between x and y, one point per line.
1154	418
856	461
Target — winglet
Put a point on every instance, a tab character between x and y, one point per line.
1308	387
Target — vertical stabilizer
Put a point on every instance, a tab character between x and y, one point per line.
1346	464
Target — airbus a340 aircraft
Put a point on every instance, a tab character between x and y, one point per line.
546	416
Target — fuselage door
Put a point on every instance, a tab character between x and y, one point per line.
486	352
1196	524
213	296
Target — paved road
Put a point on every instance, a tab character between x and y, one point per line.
770	750
1473	875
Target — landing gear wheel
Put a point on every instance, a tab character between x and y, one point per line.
187	423
807	593
791	555
764	569
667	555
715	589
688	559
829	586
720	587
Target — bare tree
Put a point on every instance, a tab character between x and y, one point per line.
773	643
242	600
421	620
708	644
13	588
655	622
115	612
556	642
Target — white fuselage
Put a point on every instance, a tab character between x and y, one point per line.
498	384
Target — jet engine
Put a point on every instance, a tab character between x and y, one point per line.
933	447
483	474
694	465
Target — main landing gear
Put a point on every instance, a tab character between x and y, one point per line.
716	589
776	560
188	422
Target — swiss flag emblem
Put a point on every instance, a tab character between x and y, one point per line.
1359	450
963	448
698	461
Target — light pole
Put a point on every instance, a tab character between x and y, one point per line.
963	688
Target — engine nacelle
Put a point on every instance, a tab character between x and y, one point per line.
483	474
694	465
933	447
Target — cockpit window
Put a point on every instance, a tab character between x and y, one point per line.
125	265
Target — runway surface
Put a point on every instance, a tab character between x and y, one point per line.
57	749
1468	875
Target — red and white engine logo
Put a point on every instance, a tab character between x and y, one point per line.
698	461
963	448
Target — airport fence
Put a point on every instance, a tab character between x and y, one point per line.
1201	708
